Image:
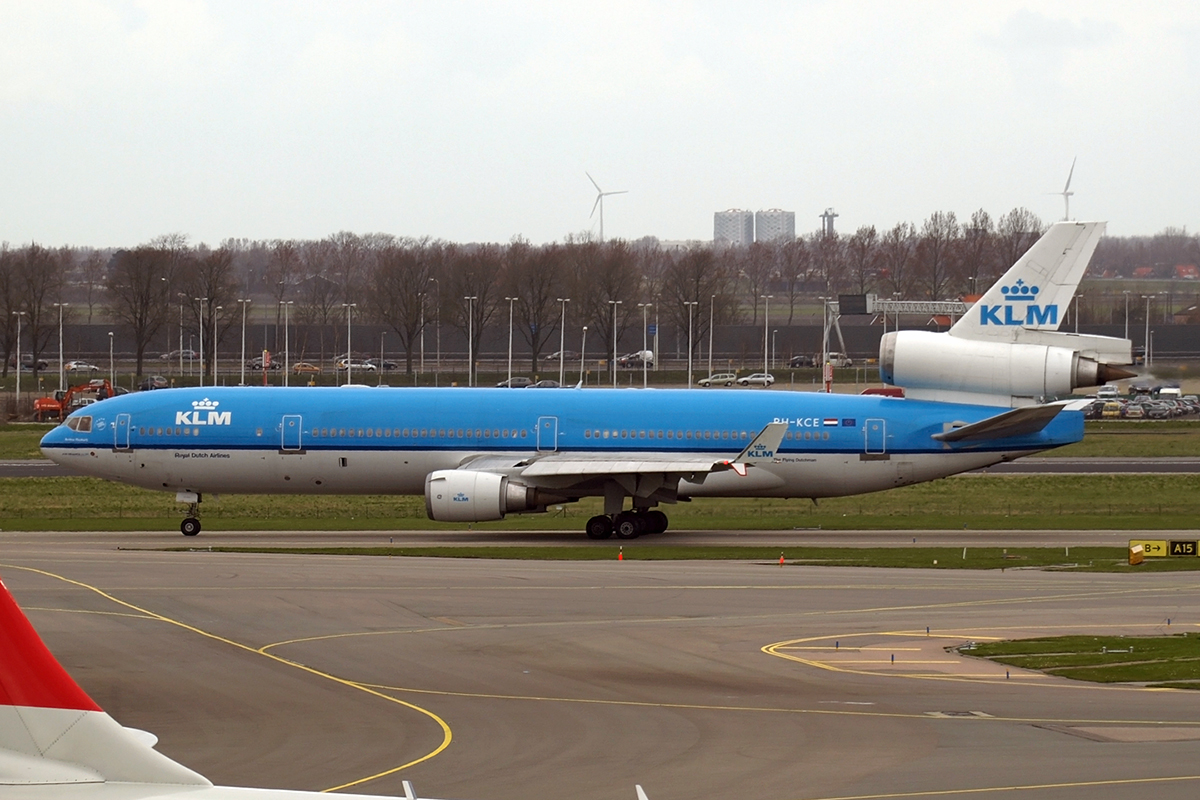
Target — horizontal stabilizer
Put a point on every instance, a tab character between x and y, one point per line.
1018	422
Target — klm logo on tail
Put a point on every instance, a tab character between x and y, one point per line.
204	412
1021	309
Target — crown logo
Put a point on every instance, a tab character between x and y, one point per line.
205	404
1020	291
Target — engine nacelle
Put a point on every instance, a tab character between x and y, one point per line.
948	367
456	495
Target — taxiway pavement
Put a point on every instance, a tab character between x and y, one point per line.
491	680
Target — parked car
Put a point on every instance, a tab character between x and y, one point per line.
718	379
545	384
796	362
840	360
80	366
305	368
361	366
515	382
27	363
1112	410
153	382
257	363
186	355
567	355
757	379
1134	411
385	366
636	359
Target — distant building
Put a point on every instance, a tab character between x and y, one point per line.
774	225
735	227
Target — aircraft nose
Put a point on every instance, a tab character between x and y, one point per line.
52	441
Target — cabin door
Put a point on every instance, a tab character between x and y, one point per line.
121	432
293	426
876	436
547	434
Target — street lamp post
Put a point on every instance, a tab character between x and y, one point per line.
202	301
645	307
471	338
18	315
287	343
216	371
562	341
582	355
1146	341
242	379
61	368
181	296
112	372
438	323
511	301
773	350
691	304
766	324
349	312
382	339
1126	314
711	305
614	304
422	296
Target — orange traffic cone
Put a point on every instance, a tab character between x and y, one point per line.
621	553
781	559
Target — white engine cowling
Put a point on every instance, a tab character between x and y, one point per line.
931	364
456	495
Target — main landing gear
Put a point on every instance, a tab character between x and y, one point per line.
626	524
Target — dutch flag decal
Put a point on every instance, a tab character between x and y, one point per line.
831	422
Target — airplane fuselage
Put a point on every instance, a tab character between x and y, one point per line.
361	440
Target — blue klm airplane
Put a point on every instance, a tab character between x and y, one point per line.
975	396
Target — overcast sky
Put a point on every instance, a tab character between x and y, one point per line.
476	121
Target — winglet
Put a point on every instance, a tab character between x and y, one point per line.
641	793
762	448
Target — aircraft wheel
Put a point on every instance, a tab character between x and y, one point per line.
599	527
628	525
190	526
656	521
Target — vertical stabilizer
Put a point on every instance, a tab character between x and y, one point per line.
1036	292
51	732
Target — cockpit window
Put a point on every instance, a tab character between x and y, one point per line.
80	424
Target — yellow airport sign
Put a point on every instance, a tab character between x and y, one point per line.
1151	548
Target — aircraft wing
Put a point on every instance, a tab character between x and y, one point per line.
1018	422
761	449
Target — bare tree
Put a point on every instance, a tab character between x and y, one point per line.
935	253
138	293
41	281
794	262
1015	233
399	284
605	279
534	277
896	253
862	259
474	272
977	253
212	279
757	266
91	275
696	277
319	293
9	301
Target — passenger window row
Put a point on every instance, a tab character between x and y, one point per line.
701	435
168	431
421	433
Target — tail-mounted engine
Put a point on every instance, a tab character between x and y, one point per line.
453	495
944	367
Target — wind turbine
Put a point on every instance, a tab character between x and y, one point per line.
1066	192
600	195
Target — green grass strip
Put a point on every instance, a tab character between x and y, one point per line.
1167	661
